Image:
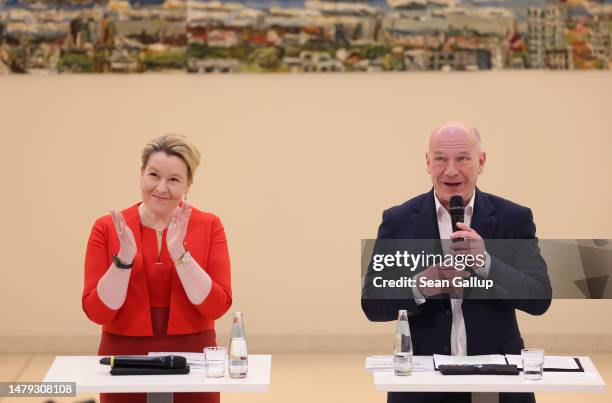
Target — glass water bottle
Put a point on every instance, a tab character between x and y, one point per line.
402	357
238	356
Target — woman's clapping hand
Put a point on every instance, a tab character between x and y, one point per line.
177	229
127	250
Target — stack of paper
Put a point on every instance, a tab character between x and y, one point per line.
440	359
420	363
550	362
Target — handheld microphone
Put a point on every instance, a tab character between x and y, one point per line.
145	361
457	213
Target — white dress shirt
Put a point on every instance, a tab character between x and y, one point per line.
458	340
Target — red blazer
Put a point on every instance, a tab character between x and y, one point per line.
206	243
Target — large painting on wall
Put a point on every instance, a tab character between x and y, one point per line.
196	36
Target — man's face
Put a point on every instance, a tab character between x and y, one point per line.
454	161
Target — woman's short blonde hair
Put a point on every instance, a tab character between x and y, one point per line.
176	145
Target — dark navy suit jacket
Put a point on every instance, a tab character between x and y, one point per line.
491	325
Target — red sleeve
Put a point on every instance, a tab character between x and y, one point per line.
96	264
219	299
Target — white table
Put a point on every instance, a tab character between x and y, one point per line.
91	376
486	388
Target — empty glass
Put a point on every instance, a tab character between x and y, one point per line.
216	358
533	363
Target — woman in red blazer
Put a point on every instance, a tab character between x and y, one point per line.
157	274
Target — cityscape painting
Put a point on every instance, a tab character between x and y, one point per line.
196	36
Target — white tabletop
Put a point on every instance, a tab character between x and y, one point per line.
434	381
91	376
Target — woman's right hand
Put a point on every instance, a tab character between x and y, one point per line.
127	251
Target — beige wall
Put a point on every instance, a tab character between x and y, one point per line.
299	168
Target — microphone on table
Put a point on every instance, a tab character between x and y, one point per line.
457	213
144	361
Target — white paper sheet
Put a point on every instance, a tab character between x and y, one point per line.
378	362
468	359
550	361
420	363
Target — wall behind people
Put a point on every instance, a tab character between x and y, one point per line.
299	168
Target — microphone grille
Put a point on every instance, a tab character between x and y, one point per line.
178	361
456	202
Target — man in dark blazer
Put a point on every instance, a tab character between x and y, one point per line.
464	326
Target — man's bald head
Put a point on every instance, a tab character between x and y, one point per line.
454	160
456	128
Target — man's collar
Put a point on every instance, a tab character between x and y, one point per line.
469	208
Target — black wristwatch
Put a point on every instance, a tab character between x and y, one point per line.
122	265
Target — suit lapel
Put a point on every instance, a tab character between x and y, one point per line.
425	225
484	220
138	282
425	220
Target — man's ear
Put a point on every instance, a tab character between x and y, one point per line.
427	161
482	158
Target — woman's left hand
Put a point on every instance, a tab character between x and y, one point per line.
175	237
